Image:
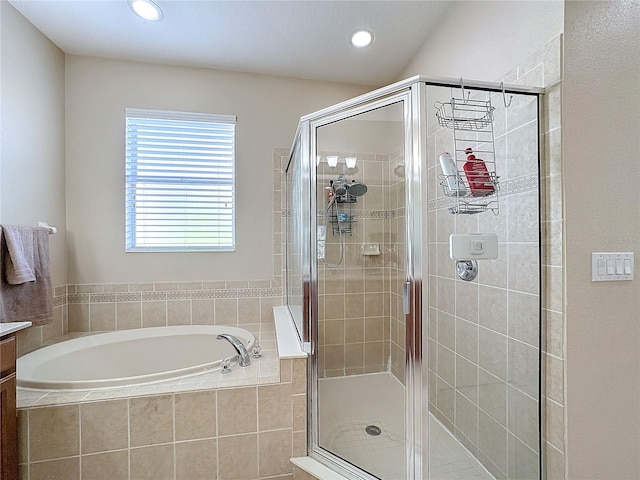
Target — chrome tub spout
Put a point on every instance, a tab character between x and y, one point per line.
244	359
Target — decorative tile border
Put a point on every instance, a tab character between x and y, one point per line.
158	292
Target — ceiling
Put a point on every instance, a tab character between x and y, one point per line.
295	38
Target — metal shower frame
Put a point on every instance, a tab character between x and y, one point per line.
412	92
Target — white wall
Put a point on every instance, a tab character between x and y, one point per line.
601	141
483	40
32	183
97	93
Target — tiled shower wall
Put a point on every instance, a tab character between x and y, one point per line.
353	298
484	335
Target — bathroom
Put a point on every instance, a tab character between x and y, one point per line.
73	104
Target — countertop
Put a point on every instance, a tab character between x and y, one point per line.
12	327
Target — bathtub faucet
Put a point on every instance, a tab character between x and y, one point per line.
244	359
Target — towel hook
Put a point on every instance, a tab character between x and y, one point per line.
504	96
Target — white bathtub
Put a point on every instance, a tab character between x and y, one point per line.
129	357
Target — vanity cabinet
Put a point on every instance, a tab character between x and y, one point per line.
9	431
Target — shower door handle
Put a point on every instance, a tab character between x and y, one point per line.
406	298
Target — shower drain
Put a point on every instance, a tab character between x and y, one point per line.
373	430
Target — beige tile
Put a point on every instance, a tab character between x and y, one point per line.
179	312
195	415
151	420
354	356
238	457
374	329
128	315
154	313
274	407
54	432
202	311
373	305
334	332
152	463
523	368
492	397
523	417
467	301
493	353
65	468
196	460
78	317
523	461
23	436
106	466
492	441
354	330
334	307
354	305
226	311
286	367
299	375
299	405
275	450
524	317
554	334
23	471
28	340
237	411
55	329
266	308
373	355
554	378
333	357
493	308
554	421
248	310
102	317
104	426
467	340
554	462
299	444
467	418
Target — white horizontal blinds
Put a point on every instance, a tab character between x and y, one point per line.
180	181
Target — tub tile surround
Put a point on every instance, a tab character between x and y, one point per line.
481	347
244	426
122	306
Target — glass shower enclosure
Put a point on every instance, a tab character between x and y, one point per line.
413	273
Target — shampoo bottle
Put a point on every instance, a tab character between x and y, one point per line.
478	176
454	183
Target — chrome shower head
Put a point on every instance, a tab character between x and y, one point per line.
340	189
357	189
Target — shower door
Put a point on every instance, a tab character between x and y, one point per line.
360	357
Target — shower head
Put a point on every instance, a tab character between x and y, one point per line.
340	189
357	189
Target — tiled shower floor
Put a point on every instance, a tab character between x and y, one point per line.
349	404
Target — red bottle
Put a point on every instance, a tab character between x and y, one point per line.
478	176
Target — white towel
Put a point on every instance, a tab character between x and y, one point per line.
32	300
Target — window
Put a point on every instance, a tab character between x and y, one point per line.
179	181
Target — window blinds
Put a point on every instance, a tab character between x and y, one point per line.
179	181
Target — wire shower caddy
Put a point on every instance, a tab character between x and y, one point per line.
472	124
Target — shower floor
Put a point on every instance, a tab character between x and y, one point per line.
350	404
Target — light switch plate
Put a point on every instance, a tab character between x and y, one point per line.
474	246
611	266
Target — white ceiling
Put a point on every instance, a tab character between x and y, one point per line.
294	38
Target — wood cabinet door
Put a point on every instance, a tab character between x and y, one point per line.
8	432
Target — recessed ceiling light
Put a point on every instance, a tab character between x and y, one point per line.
147	10
362	38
